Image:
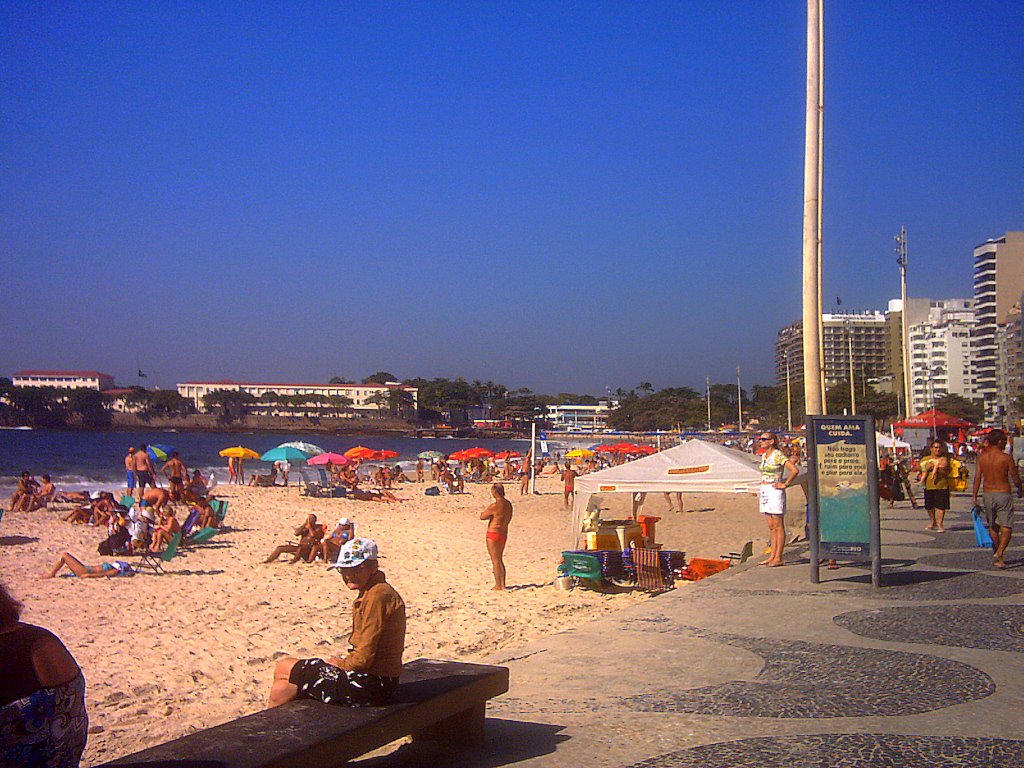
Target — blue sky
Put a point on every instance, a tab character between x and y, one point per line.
559	196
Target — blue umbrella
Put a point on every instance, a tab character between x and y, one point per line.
159	452
284	453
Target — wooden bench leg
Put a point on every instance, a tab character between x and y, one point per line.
463	728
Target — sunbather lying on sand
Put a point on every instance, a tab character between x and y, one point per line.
80	569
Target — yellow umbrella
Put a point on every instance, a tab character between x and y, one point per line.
578	453
238	452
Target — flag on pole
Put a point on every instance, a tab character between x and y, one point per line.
142	375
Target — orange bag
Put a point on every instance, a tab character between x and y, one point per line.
700	568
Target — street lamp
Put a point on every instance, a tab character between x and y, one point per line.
849	346
901	260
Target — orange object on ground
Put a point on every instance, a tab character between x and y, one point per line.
647	523
700	568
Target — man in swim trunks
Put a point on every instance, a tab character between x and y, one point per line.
995	471
156	498
142	465
498	515
569	483
129	469
175	471
368	674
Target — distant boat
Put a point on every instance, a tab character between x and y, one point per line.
28	428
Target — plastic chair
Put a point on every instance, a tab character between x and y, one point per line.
155	562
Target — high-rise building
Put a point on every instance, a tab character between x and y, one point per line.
941	360
998	283
856	336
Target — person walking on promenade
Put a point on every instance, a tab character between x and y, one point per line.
934	472
772	495
498	515
995	471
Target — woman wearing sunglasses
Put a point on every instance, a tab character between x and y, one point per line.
772	496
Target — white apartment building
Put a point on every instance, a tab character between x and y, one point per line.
581	418
361	395
64	379
998	283
941	359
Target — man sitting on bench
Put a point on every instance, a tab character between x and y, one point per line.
368	675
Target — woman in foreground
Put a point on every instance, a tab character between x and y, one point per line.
43	721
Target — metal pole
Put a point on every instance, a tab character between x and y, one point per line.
789	396
849	344
812	332
821	174
707	388
533	456
739	398
901	260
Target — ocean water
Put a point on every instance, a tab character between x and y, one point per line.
95	460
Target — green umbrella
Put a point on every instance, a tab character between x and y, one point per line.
308	448
430	455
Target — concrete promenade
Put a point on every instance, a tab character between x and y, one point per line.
758	667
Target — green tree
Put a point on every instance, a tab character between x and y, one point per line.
380	400
380	378
961	407
336	380
90	407
400	403
338	403
38	406
167	402
231	403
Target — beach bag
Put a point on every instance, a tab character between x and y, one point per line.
957	476
432	491
981	533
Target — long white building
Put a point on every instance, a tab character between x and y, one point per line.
363	396
64	379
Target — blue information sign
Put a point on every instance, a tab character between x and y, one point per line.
844	485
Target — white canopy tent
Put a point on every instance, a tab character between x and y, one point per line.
692	467
884	442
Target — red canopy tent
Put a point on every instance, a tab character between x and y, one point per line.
933	418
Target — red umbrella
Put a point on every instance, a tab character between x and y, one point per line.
360	452
508	455
607	449
478	453
647	449
384	454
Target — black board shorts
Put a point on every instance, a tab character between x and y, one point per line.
316	679
936	499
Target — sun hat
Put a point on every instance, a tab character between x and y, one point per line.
344	521
356	552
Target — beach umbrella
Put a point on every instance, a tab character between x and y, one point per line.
308	448
429	455
159	452
478	453
607	449
508	455
239	452
458	456
328	458
578	453
360	452
284	453
383	455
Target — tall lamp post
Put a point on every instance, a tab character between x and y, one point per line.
813	150
739	398
901	260
849	347
789	395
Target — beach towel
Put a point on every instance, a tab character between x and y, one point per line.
649	577
981	533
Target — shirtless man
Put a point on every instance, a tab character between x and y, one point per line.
156	498
142	466
498	515
27	487
165	531
569	483
175	471
995	470
129	470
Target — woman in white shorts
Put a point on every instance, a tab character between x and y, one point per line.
773	493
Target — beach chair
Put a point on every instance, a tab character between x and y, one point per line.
582	568
155	562
127	501
220	509
203	534
743	555
649	576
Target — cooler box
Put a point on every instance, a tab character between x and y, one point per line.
615	535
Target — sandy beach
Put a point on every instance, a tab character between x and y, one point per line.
164	655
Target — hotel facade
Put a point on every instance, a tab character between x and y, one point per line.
363	397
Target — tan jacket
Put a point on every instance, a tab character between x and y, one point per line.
378	631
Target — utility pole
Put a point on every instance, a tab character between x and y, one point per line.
789	395
901	260
739	398
813	149
707	389
853	389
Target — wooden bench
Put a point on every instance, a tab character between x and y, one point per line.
437	700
